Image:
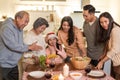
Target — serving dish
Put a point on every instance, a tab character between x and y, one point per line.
96	73
80	62
76	75
37	74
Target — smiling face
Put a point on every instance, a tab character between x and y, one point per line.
65	26
52	41
40	29
22	22
104	22
88	16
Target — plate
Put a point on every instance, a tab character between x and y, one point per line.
96	73
36	74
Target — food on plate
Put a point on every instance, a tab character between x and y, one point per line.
80	62
55	77
42	60
51	56
76	75
81	58
36	59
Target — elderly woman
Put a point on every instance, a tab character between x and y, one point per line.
71	37
35	35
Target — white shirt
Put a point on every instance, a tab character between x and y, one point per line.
31	37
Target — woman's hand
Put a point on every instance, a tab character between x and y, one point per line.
100	65
84	55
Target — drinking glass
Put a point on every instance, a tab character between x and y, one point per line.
48	74
52	64
88	68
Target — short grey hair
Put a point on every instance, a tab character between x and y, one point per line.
39	22
20	14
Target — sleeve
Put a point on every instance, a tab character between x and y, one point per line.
79	39
10	41
115	40
80	42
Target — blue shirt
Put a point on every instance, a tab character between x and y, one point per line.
11	44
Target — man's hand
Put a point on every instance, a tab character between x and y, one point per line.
35	47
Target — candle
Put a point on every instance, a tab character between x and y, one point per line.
66	70
60	77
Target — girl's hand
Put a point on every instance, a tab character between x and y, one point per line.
63	54
58	60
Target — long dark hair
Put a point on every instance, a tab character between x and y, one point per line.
70	39
102	35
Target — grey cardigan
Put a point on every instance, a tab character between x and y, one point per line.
11	44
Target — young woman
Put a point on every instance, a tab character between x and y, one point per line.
54	49
108	33
71	37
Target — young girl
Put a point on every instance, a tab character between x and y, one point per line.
54	49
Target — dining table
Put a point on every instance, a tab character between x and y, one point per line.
58	69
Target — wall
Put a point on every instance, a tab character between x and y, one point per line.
7	8
111	6
10	7
114	10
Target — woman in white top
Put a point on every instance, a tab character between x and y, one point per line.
35	36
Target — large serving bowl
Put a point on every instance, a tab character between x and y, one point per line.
76	75
80	62
37	74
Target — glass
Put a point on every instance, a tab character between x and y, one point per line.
48	74
88	68
52	64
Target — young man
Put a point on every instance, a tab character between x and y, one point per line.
89	27
12	46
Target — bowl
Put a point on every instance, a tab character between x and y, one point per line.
76	75
80	62
36	74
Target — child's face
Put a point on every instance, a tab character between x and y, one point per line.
52	41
